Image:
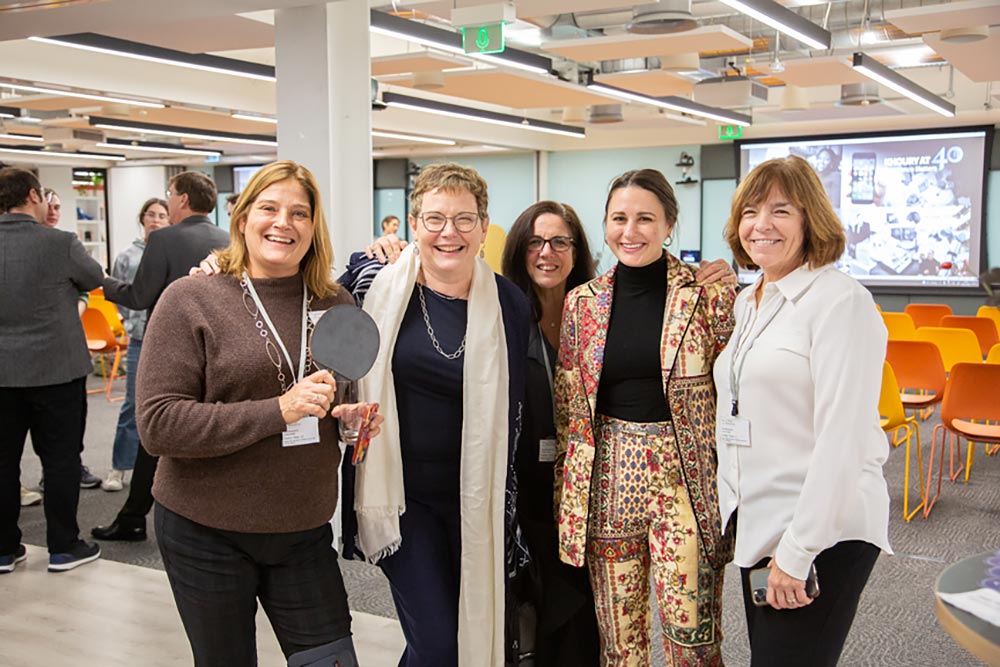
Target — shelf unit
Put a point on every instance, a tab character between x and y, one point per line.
91	211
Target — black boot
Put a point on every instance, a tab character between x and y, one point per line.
335	654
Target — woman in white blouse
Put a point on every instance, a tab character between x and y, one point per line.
800	447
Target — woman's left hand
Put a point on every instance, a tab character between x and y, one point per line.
785	591
714	272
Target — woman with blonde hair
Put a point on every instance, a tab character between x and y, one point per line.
800	446
231	401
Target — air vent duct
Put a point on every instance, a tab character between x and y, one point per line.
859	95
660	18
605	113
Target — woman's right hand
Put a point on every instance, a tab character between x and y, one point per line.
206	267
310	397
386	248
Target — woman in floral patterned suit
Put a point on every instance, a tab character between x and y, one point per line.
636	429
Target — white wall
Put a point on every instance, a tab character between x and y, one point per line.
128	189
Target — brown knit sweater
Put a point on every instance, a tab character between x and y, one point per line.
207	403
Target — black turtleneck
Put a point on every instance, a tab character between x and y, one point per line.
631	385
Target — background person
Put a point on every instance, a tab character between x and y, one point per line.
43	367
449	378
247	482
634	386
390	225
152	216
803	371
170	254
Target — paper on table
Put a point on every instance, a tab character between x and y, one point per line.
982	602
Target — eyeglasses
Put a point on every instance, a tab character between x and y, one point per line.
167	193
435	222
49	196
557	243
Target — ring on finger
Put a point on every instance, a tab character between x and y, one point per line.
790	599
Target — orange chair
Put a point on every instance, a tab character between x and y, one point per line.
927	314
899	325
101	340
918	368
994	356
970	410
983	327
894	421
109	310
992	312
956	345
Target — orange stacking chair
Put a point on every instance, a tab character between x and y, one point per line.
900	326
956	345
894	421
970	410
992	312
983	327
994	356
101	340
919	372
927	314
109	310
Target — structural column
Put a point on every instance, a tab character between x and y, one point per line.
324	111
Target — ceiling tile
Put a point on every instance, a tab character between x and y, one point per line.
979	61
423	61
656	83
825	71
616	47
514	90
932	18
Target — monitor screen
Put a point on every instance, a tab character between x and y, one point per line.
912	204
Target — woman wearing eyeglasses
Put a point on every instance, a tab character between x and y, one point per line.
449	379
635	456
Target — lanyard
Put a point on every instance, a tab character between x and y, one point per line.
548	371
274	331
744	343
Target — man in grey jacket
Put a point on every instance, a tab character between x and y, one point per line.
43	367
170	254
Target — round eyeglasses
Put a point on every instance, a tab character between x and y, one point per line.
557	243
435	222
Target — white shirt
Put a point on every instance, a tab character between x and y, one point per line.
809	362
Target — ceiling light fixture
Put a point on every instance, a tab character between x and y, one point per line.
784	20
89	41
411	137
73	156
411	31
155	147
21	137
468	113
85	96
674	103
183	132
9	112
259	119
876	71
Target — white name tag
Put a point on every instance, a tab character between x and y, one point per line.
303	432
314	315
547	450
733	431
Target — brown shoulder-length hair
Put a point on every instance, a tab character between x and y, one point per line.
515	251
315	266
652	181
823	234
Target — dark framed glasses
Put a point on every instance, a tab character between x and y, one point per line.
557	243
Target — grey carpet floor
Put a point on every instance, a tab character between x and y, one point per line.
895	624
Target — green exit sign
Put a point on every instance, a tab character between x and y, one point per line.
483	38
730	131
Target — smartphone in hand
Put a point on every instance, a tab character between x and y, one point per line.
758	584
364	435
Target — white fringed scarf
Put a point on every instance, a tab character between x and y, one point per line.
379	497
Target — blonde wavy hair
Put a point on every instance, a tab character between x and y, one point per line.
318	260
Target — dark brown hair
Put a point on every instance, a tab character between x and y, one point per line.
652	181
198	187
16	186
149	202
823	234
515	251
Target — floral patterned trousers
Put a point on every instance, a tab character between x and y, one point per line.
642	527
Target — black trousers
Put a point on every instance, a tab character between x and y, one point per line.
217	576
811	636
140	491
54	415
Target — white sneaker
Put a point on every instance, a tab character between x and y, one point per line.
29	497
115	481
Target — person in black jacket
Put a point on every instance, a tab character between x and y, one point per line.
170	254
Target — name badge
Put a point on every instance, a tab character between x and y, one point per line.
733	431
314	316
303	432
547	450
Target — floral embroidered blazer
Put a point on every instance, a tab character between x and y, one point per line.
697	323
